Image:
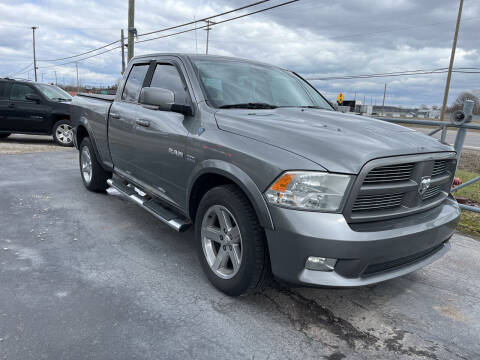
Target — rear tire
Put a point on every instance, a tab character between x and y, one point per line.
232	251
63	133
4	135
93	175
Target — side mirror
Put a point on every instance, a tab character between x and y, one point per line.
153	96
164	99
33	97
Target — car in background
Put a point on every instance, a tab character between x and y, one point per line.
35	108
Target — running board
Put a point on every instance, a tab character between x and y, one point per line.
142	199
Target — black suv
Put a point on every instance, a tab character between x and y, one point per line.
35	108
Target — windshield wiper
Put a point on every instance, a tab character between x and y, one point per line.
62	99
249	106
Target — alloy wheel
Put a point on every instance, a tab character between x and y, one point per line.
86	162
64	134
221	242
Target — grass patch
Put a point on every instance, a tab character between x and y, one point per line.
469	221
472	191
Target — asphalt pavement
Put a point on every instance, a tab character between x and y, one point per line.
91	276
472	140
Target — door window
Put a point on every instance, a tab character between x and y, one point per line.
167	77
131	91
19	91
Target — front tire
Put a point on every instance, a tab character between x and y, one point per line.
230	241
93	175
63	133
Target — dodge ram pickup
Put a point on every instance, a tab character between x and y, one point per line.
271	177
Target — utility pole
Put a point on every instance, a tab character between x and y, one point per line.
383	102
78	84
56	77
122	37
131	28
34	55
452	58
207	29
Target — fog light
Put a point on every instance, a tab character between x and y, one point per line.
320	263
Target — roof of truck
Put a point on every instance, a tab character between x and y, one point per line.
204	56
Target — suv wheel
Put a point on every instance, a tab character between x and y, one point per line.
230	241
93	175
63	133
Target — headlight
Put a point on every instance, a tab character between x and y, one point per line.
316	191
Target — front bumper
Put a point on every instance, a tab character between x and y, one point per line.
367	253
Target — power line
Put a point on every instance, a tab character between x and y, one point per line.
19	72
152	32
76	60
205	19
84	53
219	22
465	70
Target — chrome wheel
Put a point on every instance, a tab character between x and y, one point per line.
221	242
64	134
86	164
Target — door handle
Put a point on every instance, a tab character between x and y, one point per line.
115	115
144	123
11	105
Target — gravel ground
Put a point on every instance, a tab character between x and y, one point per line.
91	276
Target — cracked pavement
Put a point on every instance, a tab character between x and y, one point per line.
89	275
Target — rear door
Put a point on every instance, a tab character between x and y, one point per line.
161	136
26	115
121	123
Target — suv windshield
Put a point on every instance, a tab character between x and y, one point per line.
53	92
237	84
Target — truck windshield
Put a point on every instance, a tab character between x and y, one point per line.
54	92
237	84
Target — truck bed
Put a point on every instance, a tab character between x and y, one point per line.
94	109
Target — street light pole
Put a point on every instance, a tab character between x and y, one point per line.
34	54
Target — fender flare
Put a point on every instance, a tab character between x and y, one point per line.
241	179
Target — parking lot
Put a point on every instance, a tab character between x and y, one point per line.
92	276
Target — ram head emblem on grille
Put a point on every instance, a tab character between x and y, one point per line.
424	185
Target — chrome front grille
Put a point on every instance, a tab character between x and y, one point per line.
390	173
399	186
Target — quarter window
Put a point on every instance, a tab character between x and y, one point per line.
19	91
167	77
131	91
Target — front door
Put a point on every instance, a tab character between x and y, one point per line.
161	138
26	115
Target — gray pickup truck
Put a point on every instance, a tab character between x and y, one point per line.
273	180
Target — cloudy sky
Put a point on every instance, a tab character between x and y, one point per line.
316	38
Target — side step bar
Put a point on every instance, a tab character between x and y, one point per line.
142	199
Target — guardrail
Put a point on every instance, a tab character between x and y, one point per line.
460	119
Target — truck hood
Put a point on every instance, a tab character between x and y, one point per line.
338	142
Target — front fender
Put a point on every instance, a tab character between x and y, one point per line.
240	178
